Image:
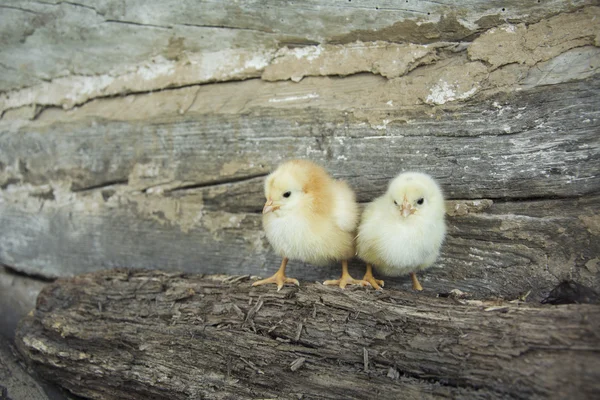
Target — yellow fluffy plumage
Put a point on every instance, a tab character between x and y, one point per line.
309	216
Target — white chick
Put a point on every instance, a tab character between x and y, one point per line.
402	231
311	217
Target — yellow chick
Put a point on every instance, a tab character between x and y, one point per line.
311	217
402	231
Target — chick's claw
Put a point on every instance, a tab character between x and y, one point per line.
345	281
278	279
377	284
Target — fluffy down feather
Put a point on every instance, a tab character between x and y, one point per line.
310	217
316	222
402	231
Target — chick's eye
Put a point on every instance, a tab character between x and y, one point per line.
395	202
420	201
287	194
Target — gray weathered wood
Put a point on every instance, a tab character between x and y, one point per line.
543	142
46	40
130	334
184	192
507	250
137	134
15	382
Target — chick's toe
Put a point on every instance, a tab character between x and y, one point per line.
346	279
375	283
278	278
415	282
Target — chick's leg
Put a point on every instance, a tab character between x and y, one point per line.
346	279
415	282
279	277
376	283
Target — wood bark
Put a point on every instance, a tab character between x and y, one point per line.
148	334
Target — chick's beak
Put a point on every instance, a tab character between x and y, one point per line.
407	208
269	207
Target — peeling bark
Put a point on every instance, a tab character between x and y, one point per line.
129	334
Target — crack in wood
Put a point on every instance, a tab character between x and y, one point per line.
236	28
217	182
71	3
35	276
101	185
116	21
19	9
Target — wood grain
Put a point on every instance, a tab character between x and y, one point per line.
185	193
130	334
502	148
46	40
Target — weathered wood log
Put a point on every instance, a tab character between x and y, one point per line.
63	53
181	192
151	153
147	334
15	382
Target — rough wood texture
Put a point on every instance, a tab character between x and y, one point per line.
86	49
150	153
150	194
136	334
15	382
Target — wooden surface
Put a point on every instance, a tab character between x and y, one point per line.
50	40
128	334
185	193
137	134
15	382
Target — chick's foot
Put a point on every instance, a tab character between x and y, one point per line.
375	283
278	278
415	282
346	279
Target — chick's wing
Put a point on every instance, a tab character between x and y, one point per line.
345	210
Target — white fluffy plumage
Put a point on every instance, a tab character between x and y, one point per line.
403	230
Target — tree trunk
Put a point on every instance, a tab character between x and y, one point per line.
148	334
